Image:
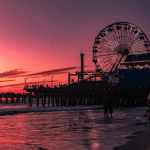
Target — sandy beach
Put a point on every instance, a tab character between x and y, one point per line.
139	142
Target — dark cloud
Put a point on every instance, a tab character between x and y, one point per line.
28	83
7	80
44	75
12	73
21	73
55	71
87	66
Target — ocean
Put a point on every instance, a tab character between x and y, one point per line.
68	127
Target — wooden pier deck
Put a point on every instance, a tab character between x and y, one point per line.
69	96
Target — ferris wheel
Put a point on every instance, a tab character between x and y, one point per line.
115	43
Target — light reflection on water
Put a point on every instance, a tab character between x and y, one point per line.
69	128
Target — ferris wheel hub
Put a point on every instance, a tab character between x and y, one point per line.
122	53
125	52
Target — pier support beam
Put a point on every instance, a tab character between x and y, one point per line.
6	100
0	98
12	100
37	100
52	100
44	101
48	100
30	100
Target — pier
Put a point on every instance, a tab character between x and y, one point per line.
13	97
121	76
126	96
70	96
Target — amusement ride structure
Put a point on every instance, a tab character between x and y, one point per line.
121	56
119	47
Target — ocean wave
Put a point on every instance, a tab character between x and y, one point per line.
21	110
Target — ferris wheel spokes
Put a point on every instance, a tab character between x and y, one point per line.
115	42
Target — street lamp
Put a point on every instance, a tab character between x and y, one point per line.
90	74
26	78
60	83
52	81
44	82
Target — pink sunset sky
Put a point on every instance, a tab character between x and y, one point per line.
43	38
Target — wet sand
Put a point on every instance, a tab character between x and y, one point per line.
139	142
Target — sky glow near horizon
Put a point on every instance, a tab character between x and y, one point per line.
40	39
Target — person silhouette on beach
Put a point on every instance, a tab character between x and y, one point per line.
110	107
106	108
148	104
